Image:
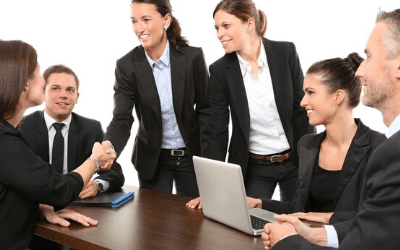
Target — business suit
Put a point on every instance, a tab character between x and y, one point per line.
25	181
350	182
135	86
228	96
83	133
377	223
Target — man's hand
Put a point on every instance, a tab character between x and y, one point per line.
89	191
314	235
274	232
108	147
62	216
316	217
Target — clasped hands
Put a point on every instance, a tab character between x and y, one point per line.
105	154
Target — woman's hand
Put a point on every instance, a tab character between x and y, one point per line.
194	203
316	217
103	158
61	217
252	203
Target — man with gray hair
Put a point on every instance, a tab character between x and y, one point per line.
377	223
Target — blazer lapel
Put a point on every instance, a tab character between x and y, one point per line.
238	93
43	138
357	151
308	155
146	81
276	68
178	81
73	142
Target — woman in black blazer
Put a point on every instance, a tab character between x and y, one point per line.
167	83
25	179
332	164
258	83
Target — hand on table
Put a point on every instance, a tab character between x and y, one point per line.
254	203
194	203
314	235
89	191
274	232
316	217
61	217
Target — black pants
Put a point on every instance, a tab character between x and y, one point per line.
263	176
173	168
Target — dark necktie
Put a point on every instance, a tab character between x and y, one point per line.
58	148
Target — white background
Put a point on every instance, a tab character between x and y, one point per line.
90	35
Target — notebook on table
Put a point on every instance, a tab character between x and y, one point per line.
114	200
223	196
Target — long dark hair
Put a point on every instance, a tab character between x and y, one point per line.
340	73
174	31
244	9
18	61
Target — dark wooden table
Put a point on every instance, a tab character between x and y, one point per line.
152	220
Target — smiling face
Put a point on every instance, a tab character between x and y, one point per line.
60	96
377	71
319	103
231	31
149	26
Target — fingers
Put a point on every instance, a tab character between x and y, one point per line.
89	191
60	221
266	238
80	218
194	203
107	146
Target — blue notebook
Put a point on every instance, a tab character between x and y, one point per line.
114	200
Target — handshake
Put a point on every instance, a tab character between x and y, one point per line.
105	154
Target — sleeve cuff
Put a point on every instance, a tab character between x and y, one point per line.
332	237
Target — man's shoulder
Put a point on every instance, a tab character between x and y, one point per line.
87	122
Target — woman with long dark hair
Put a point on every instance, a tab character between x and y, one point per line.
25	179
166	81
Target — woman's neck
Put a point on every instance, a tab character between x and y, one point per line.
341	131
156	52
251	50
17	118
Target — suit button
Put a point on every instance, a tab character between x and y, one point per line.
178	163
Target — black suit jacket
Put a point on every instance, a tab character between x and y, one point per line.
135	87
348	190
25	181
377	223
83	133
227	91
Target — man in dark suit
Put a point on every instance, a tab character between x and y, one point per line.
377	223
80	133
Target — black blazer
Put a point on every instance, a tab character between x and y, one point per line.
25	181
83	133
348	190
228	94
377	223
135	87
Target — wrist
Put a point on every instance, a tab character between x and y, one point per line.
258	203
97	165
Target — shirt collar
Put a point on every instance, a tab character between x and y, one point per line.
261	61
49	121
394	127
163	59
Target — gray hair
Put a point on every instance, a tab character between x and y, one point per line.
392	39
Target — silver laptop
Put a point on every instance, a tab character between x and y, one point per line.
223	196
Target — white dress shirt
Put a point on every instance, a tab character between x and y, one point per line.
64	131
266	131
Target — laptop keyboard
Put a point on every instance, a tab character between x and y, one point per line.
257	223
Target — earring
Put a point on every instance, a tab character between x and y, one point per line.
248	31
166	28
